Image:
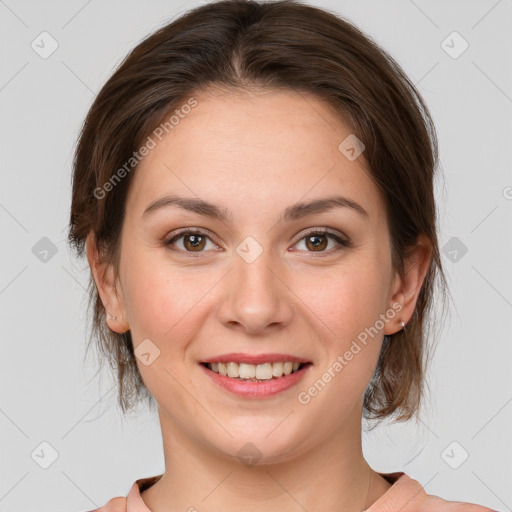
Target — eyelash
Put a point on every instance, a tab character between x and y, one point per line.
343	243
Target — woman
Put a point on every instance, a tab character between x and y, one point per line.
253	188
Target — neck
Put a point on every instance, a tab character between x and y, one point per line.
332	476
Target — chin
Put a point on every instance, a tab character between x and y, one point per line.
261	444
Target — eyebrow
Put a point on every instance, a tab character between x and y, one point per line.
291	213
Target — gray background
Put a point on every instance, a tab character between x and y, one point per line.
48	391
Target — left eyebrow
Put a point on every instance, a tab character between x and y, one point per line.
291	213
299	210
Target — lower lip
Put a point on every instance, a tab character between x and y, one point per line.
263	389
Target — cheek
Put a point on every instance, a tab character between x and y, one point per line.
344	313
347	299
164	303
346	309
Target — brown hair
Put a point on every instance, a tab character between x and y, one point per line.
245	45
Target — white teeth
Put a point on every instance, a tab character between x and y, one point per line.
277	369
246	371
265	371
233	370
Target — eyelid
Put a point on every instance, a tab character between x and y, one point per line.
323	231
341	239
192	231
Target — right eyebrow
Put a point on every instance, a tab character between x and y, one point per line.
191	204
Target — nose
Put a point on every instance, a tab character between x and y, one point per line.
256	298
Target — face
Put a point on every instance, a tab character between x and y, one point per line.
265	280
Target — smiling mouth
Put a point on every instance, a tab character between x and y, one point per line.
256	372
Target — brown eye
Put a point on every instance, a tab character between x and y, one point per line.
315	242
318	241
192	241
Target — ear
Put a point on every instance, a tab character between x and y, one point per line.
405	290
110	294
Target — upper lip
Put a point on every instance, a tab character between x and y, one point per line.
239	357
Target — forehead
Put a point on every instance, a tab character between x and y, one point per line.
266	147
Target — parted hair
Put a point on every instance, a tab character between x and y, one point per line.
241	45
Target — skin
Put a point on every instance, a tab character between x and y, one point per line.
256	154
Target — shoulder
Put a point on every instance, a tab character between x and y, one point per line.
133	501
407	495
114	505
436	504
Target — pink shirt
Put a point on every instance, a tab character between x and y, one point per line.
405	495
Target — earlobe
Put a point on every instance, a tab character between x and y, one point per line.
111	298
409	286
